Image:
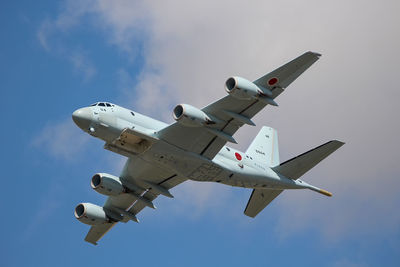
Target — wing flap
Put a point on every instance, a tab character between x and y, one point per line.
259	199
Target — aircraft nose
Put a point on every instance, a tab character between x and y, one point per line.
82	117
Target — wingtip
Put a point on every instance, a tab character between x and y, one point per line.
315	53
339	142
91	242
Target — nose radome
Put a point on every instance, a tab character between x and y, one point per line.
82	117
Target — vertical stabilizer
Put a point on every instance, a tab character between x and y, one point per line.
264	147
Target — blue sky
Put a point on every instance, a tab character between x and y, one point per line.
57	56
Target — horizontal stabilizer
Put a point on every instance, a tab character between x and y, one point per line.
259	199
297	166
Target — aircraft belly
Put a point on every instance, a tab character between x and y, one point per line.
206	172
198	168
173	158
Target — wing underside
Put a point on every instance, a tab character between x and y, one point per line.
138	173
204	142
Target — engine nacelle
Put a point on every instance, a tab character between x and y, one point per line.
191	116
107	184
91	214
241	88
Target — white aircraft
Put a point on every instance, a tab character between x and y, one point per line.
161	156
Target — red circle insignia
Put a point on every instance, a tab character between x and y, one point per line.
272	81
238	156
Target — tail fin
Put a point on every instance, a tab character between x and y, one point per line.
297	166
264	147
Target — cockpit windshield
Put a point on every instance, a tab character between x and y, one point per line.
102	104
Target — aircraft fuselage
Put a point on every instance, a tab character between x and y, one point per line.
229	166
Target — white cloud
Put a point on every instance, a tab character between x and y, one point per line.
61	139
42	34
82	65
350	94
51	30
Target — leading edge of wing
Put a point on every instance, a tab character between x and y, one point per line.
129	205
204	142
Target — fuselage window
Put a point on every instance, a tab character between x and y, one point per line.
133	114
227	149
102	104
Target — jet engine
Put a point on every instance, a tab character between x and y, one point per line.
191	116
107	184
91	214
241	88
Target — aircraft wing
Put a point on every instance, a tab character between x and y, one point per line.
140	175
233	112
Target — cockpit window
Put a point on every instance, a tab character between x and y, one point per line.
103	104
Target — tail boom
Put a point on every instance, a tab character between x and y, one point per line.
298	166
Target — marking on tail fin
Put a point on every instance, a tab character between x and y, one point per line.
264	147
